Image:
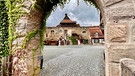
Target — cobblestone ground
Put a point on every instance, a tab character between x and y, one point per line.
79	61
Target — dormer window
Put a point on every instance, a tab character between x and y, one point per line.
96	34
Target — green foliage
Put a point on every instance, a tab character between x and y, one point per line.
14	13
92	2
29	36
42	32
33	60
73	39
4	49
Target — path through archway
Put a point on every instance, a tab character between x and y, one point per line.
26	32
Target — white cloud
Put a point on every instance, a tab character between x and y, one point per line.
84	14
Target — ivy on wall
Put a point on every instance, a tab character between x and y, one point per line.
14	13
4	49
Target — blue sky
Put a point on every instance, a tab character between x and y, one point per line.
84	14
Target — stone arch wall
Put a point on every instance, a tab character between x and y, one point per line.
118	18
119	35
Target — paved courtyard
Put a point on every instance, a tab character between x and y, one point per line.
73	61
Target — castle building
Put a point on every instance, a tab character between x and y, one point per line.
68	32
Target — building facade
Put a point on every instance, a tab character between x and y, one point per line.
96	35
68	32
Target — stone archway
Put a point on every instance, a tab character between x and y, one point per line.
119	22
118	18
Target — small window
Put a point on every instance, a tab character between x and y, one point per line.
60	31
96	34
84	32
65	31
46	35
52	31
96	40
102	26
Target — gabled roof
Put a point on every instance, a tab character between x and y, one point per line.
67	20
94	30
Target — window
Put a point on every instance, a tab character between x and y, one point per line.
65	31
46	35
83	31
52	31
60	31
96	34
102	26
96	40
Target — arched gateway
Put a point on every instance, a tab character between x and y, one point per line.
26	23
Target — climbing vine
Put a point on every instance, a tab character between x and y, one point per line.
28	37
14	13
4	49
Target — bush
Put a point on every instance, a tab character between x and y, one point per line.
4	49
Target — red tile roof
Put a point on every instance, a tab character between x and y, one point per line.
67	20
97	29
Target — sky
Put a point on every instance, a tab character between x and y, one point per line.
84	14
